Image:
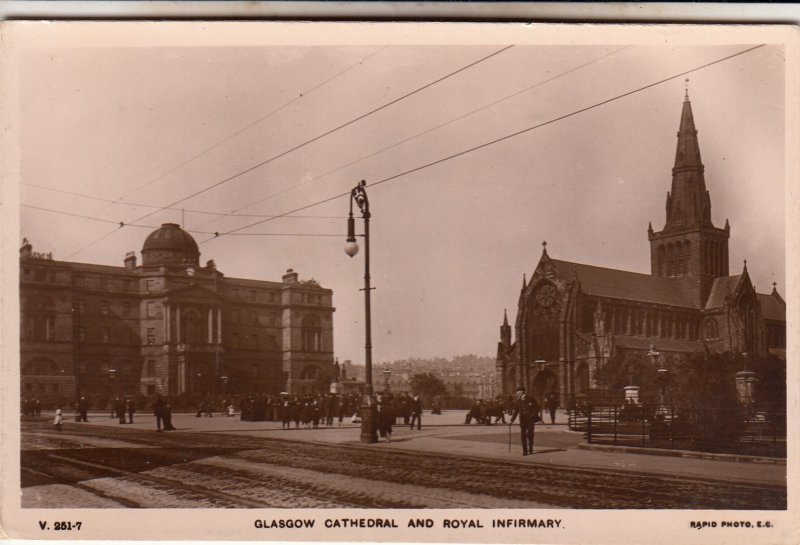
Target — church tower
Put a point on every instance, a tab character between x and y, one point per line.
689	247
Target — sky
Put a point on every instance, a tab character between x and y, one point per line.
449	242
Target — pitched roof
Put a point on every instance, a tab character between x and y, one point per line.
724	285
626	285
664	345
771	308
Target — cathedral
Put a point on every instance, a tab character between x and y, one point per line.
572	318
168	325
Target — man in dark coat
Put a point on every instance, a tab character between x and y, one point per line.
130	408
416	412
158	411
119	408
528	411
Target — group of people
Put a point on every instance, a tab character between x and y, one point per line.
31	407
389	409
122	406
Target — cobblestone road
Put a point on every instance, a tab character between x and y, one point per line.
110	467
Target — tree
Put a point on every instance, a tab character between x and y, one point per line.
427	385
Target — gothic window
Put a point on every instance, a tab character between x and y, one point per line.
151	335
150	370
670	260
151	309
712	329
687	255
312	334
105	334
104	308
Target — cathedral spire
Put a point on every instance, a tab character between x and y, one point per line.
688	202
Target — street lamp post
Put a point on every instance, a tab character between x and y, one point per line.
369	430
112	374
387	375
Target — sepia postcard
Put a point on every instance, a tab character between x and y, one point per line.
399	282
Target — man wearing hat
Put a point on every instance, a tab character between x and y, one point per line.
528	411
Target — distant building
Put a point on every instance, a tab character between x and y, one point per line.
572	318
168	325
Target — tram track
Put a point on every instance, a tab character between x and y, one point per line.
232	470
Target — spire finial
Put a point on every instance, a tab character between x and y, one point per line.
745	265
686	89
544	247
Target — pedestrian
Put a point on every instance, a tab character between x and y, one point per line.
386	417
58	421
83	409
416	412
168	416
552	404
528	411
119	407
158	411
130	408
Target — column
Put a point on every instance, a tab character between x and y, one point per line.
210	325
219	326
178	325
166	323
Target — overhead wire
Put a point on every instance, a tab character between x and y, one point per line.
264	117
194	231
143	205
307	142
495	141
423	133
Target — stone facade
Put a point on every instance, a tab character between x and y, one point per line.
168	325
573	318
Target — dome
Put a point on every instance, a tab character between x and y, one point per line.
170	245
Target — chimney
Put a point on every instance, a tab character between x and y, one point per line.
26	249
290	277
130	260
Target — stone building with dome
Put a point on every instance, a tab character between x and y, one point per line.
572	318
168	325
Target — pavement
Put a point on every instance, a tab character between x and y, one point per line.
447	434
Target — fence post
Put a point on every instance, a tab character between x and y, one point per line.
615	425
644	424
672	426
589	426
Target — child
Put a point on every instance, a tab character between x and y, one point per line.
58	421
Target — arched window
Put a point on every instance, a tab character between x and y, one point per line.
687	255
312	334
670	260
712	329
